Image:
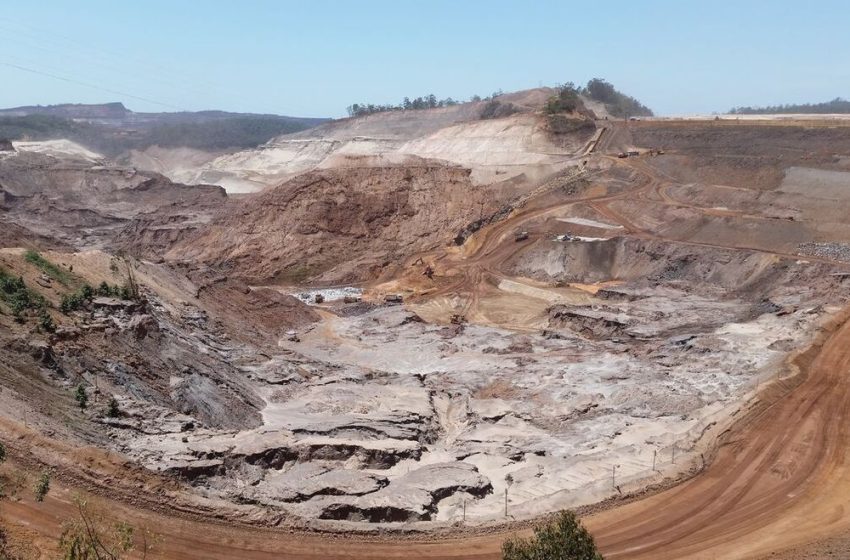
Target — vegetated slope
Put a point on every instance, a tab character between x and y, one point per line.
113	129
617	103
337	224
836	106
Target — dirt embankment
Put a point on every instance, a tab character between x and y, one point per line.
77	201
740	155
339	225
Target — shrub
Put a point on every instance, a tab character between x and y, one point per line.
71	302
126	292
87	292
495	109
112	409
563	538
45	321
50	269
81	396
15	293
617	103
2	452
76	300
42	486
95	534
566	100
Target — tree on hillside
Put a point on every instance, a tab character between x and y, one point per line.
562	538
565	101
617	103
81	396
601	90
429	101
837	105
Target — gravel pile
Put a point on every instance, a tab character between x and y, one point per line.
835	251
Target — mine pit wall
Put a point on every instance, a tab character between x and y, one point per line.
742	273
751	155
339	225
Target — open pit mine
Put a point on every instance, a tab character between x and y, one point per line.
415	333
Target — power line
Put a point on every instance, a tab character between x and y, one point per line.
86	84
91	55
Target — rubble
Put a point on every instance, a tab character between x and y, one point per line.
834	251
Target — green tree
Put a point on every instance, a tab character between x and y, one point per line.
42	486
104	290
562	538
566	100
81	396
45	321
112	409
87	291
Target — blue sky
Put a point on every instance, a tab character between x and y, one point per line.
315	57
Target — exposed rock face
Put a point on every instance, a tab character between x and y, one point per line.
509	144
6	145
338	224
590	323
412	497
74	198
304	481
162	360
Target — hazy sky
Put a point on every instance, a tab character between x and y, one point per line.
313	57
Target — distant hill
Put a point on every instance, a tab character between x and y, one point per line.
111	128
837	105
71	111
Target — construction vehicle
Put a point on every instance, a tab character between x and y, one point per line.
521	236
